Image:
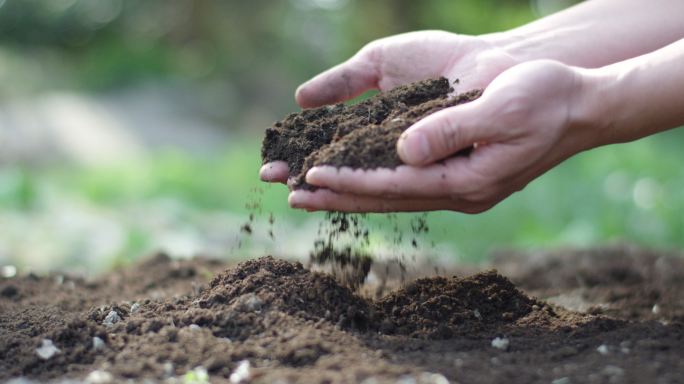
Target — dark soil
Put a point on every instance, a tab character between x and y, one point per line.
363	135
294	325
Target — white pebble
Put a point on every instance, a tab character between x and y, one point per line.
562	380
406	379
98	343
47	349
656	309
433	378
99	377
242	373
370	380
194	327
198	375
168	368
253	303
602	349
500	343
111	319
135	307
611	370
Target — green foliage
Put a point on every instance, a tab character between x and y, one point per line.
259	51
628	192
17	189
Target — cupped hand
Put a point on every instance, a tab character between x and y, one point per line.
530	118
389	62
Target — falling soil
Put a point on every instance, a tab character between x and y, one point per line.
289	324
362	136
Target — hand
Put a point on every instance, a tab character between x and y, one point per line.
530	118
387	63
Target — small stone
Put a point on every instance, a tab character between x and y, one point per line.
242	373
656	309
135	307
625	346
602	349
47	349
99	377
433	378
168	369
253	303
194	327
611	370
477	314
198	375
370	380
562	380
406	379
111	319
98	343
500	343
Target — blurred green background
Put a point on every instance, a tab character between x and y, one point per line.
133	126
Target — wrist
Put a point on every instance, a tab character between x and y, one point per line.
523	45
539	43
590	109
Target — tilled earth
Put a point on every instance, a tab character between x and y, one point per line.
607	315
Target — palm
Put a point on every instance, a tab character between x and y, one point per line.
419	55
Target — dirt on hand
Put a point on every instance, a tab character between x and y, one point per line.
273	320
362	136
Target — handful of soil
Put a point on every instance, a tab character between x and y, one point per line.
362	136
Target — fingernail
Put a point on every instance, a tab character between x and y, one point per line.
311	175
414	147
296	199
265	172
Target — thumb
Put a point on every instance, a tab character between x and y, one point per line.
442	134
342	82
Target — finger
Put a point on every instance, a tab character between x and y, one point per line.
444	133
446	179
342	82
274	172
326	200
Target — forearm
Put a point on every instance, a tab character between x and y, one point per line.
597	32
637	97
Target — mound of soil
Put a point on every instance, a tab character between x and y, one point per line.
363	135
441	307
278	321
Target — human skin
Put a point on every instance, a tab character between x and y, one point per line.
533	115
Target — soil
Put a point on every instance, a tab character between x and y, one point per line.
362	136
294	325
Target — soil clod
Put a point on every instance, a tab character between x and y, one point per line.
362	135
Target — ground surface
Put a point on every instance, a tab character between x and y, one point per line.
293	325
